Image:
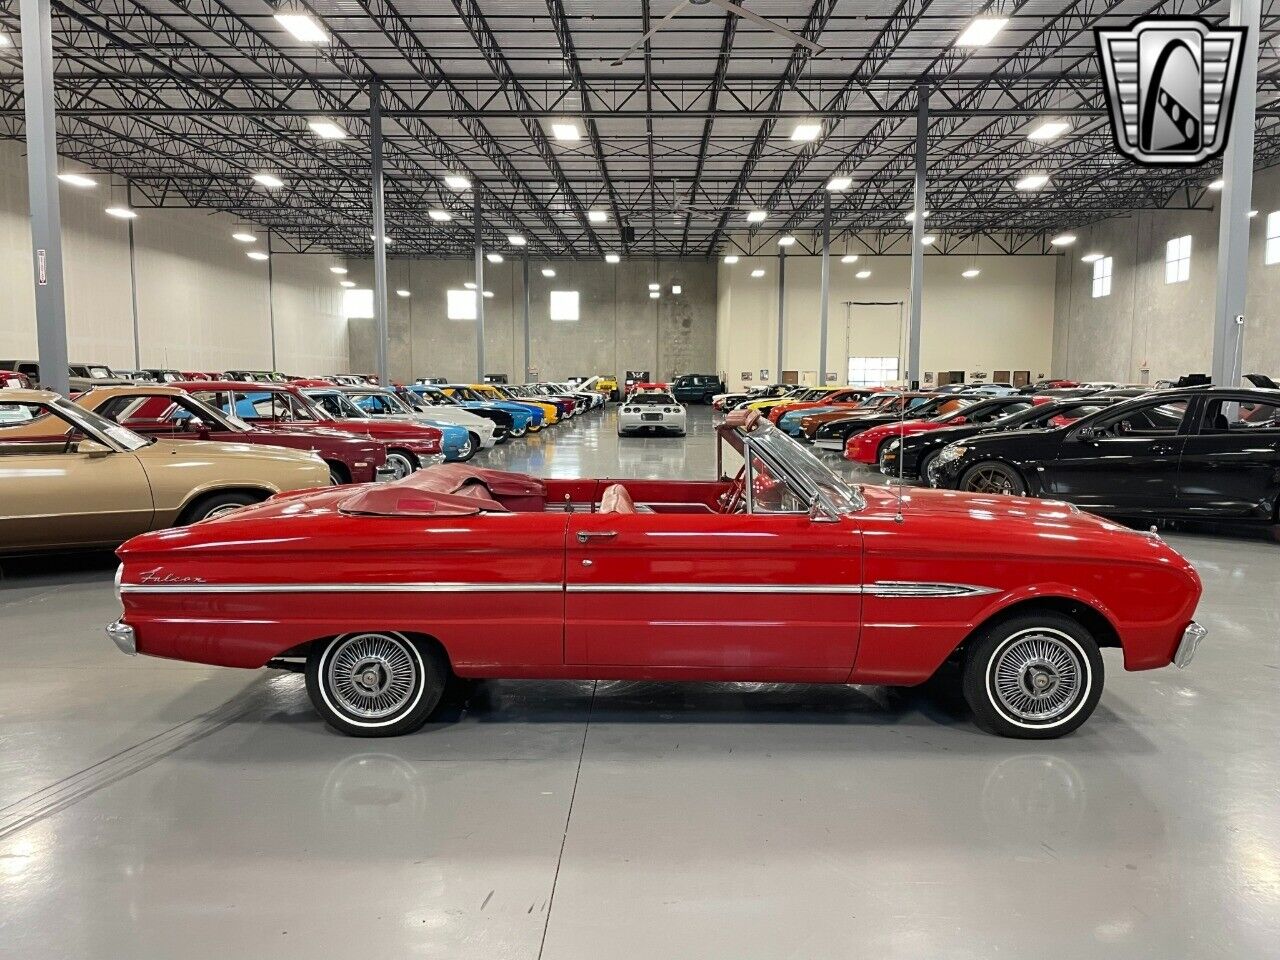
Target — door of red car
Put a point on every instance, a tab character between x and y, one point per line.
761	596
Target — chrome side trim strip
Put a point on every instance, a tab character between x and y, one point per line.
186	588
758	588
912	588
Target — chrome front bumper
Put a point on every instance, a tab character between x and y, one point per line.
829	444
122	636
383	474
1191	638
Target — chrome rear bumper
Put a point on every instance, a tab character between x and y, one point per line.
123	637
1191	638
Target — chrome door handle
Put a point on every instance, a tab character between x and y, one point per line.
585	535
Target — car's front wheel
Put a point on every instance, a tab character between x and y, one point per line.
993	477
1036	676
401	463
375	684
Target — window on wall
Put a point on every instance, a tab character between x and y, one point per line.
357	303
1177	259
1272	253
461	304
564	304
1102	277
872	371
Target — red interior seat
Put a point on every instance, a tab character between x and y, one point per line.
615	499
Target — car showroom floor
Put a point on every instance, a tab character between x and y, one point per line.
151	809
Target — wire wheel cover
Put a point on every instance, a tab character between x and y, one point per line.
372	675
1037	677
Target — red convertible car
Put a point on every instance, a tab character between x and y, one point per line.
383	593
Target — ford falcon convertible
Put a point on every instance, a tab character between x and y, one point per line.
383	594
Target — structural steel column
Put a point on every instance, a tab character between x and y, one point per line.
528	364
382	336
42	187
475	216
824	288
271	305
782	311
1233	211
917	240
133	298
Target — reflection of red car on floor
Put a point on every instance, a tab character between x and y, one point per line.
382	594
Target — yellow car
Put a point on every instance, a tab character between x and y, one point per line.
798	395
491	392
606	383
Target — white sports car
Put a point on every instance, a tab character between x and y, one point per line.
654	410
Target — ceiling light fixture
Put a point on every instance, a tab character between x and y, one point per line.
346	283
78	180
1048	130
1063	240
655	286
731	259
455	181
327	129
1252	214
981	31
515	240
248	238
786	241
806	131
862	274
611	258
440	216
839	184
548	272
1091	257
258	255
488	294
268	180
849	258
757	216
123	213
928	240
676	289
402	293
911	217
757	272
385	240
493	257
653	294
5	39
597	216
301	24
566	131
341	271
970	273
1032	181
1217	185
469	285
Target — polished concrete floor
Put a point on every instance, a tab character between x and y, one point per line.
159	810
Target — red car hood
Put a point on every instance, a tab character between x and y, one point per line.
918	501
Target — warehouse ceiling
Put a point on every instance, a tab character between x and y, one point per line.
186	100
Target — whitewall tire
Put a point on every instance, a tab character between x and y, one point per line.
375	683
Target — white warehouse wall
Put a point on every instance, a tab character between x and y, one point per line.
1000	320
202	304
1153	329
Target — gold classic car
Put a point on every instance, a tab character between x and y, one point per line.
70	478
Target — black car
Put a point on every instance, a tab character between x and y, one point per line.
1190	452
833	434
697	387
919	450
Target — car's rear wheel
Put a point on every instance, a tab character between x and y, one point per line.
1035	676
993	477
401	464
217	505
375	684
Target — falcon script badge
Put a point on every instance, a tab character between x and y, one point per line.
1171	86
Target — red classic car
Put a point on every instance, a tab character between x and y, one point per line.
869	446
382	594
164	411
282	406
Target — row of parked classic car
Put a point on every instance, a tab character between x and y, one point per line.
1189	451
120	457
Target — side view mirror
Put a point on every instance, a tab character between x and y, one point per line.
1087	433
199	428
818	512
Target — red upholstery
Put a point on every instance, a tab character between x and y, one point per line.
615	499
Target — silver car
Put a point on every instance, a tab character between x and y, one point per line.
654	410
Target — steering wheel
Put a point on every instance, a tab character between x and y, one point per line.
734	500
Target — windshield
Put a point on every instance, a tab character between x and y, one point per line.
121	436
100	373
336	404
382	404
813	475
